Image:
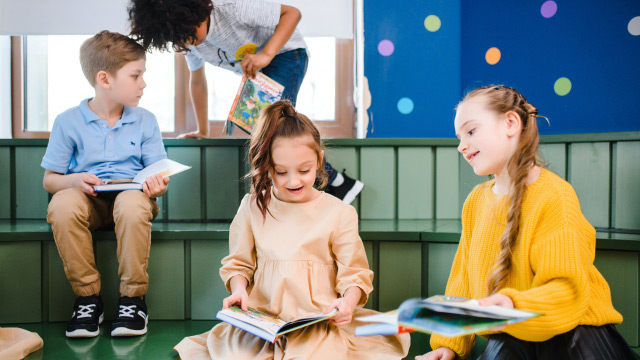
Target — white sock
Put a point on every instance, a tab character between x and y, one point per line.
338	180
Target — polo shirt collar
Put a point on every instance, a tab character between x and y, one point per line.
128	116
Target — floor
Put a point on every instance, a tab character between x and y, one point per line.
156	344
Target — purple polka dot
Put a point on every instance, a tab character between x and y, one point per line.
548	9
385	48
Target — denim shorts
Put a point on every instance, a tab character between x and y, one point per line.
288	68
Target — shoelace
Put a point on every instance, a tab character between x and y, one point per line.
85	310
126	311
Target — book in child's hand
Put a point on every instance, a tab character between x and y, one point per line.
253	95
264	325
443	315
164	167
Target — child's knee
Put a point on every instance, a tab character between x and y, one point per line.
134	206
68	204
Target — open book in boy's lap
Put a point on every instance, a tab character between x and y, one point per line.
264	325
164	167
443	315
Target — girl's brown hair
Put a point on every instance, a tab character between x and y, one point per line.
503	99
279	119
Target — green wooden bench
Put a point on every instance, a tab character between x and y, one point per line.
409	209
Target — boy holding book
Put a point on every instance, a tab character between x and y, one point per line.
106	137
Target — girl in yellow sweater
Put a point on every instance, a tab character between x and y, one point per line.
525	244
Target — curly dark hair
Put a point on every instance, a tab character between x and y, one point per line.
156	23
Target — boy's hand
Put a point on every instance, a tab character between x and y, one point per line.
155	185
345	306
197	134
443	353
85	182
251	63
238	296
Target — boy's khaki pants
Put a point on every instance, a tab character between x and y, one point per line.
73	215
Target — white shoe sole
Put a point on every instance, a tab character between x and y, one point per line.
82	333
123	331
355	190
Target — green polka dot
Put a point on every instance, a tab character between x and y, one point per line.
562	86
432	23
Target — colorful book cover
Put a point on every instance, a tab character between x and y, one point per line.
444	315
253	96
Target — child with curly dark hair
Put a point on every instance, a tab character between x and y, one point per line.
244	36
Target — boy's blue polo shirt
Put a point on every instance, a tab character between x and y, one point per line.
82	142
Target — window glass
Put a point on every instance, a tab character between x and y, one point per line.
54	81
316	98
5	87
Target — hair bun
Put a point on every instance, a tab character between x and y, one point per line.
530	109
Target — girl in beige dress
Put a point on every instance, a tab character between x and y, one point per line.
294	251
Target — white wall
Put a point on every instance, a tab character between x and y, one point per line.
84	17
5	87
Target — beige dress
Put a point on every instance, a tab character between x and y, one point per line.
17	343
297	261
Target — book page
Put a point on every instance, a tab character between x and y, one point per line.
256	318
164	167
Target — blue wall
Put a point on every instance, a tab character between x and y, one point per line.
592	44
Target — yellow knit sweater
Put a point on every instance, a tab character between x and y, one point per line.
552	269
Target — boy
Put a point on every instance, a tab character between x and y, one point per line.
105	137
243	36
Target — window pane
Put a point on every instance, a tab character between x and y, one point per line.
316	98
55	82
5	87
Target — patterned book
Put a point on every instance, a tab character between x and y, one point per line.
253	96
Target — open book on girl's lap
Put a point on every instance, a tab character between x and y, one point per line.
164	167
264	325
443	315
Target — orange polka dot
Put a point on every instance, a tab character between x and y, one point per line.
492	56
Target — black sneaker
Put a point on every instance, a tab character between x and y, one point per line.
347	191
132	317
87	317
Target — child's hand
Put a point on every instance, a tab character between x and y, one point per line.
251	63
443	353
85	182
345	306
500	300
155	185
497	299
239	296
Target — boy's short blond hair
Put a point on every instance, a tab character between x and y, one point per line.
108	51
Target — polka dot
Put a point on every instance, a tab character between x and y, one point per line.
562	86
432	23
405	106
634	26
385	48
548	9
492	56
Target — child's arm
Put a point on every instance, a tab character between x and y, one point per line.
54	182
345	305
443	353
199	95
289	19
238	285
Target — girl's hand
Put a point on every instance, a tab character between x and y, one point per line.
497	299
345	306
443	353
85	182
239	296
500	300
155	185
251	63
